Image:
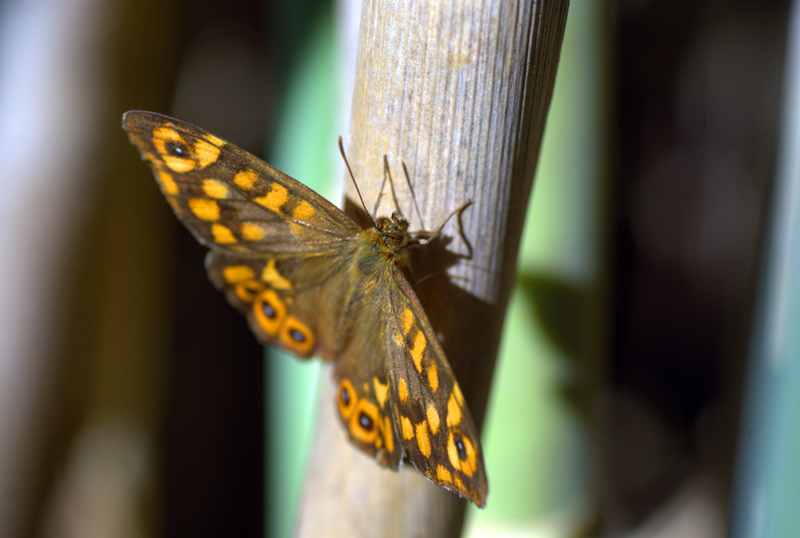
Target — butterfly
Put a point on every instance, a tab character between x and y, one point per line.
312	281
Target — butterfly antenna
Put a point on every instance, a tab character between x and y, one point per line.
413	196
383	185
341	149
388	174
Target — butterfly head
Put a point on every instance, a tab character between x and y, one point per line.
393	231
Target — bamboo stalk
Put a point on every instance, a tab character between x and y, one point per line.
458	91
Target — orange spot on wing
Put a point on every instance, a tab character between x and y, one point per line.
214	140
177	164
168	185
304	211
222	234
433	376
245	179
233	274
408	320
433	419
402	390
407	427
381	391
423	442
388	434
420	343
443	475
214	189
457	393
204	209
205	153
271	276
453	409
252	232
275	198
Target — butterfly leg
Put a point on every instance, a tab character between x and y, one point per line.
430	236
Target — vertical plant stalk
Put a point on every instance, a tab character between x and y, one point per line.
459	92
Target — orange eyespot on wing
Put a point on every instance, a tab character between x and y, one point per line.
296	336
367	425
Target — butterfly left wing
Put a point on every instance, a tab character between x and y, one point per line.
277	247
433	423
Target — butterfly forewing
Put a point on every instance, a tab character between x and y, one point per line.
313	282
227	197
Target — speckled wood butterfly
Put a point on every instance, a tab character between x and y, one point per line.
313	282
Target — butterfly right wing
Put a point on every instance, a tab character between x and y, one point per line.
434	425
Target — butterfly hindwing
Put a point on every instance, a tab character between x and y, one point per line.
363	403
294	301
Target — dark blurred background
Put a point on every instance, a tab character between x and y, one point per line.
132	397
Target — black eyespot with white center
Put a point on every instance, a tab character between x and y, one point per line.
177	149
365	421
297	336
269	310
460	448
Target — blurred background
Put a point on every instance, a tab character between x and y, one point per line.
134	402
